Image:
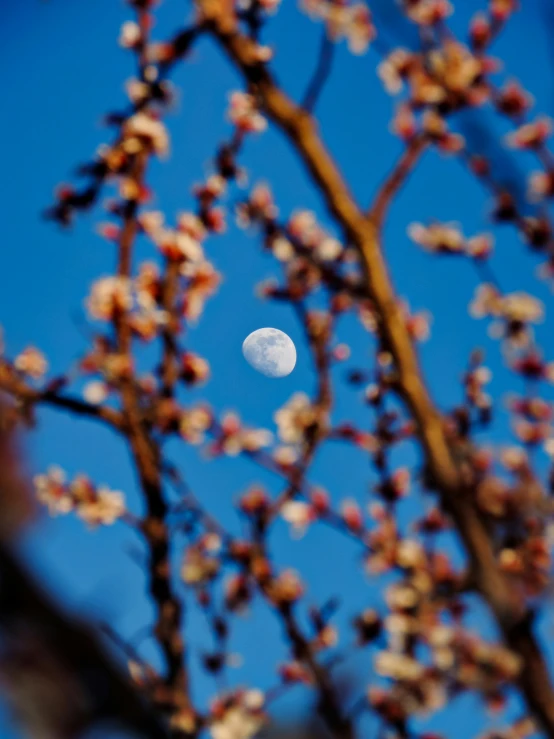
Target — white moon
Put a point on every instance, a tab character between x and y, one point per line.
270	351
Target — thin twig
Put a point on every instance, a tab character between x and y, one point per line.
14	385
321	73
397	178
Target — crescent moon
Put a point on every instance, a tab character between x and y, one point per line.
270	352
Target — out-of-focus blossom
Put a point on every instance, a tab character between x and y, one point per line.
351	514
239	716
95	392
235	438
260	207
199	567
294	672
480	247
254	501
480	31
130	35
299	515
286	588
109	296
404	124
203	281
513	100
350	21
501	10
294	418
31	362
518	309
304	229
52	491
398	667
418	324
194	422
143	129
427	12
195	370
438	238
244	114
178	245
394	69
95	505
531	135
436	129
104	507
541	185
455	66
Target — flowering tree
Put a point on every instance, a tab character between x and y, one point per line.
493	504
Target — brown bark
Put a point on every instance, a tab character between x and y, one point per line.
146	456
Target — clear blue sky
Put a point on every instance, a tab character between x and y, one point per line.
62	71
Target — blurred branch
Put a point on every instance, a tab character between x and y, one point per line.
12	383
54	669
321	73
397	178
62	645
146	456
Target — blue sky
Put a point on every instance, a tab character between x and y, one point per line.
63	71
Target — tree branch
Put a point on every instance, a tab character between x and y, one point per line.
396	179
12	383
510	613
321	73
146	456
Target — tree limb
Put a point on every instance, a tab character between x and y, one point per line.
396	179
146	456
510	613
12	383
321	73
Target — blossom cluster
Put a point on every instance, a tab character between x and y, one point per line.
31	362
348	20
96	505
439	238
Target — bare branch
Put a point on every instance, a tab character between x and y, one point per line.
396	179
12	383
321	73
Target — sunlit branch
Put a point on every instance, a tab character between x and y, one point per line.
397	178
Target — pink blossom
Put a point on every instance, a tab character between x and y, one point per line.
31	362
109	296
351	514
95	392
105	508
243	112
52	491
143	128
531	135
299	515
130	35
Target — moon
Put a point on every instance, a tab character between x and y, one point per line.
270	352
